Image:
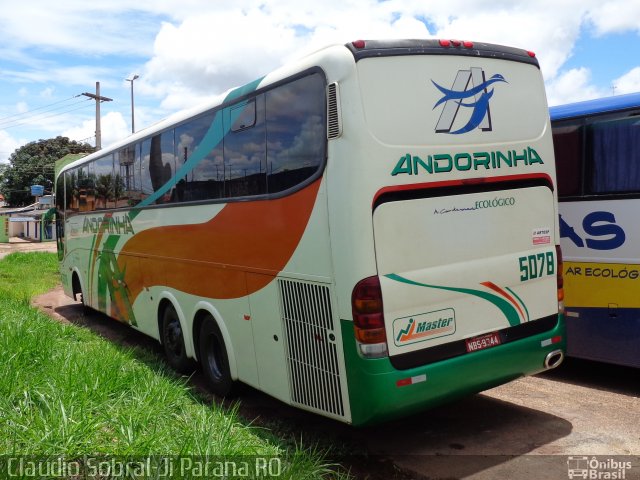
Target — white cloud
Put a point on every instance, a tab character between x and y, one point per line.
74	75
22	107
615	16
207	54
113	128
47	93
629	82
572	86
78	26
8	145
225	46
187	51
210	53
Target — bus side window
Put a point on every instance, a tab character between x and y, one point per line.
162	163
568	147
127	163
613	145
102	173
70	190
85	191
206	178
296	132
146	187
245	149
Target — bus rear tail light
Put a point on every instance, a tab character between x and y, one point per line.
368	318
560	280
455	43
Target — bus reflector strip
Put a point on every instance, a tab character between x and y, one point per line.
411	380
551	341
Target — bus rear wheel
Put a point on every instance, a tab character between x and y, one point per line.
173	341
214	359
77	292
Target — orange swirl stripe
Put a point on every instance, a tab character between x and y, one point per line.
211	259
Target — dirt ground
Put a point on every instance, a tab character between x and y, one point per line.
20	245
536	427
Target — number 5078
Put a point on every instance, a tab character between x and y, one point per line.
536	266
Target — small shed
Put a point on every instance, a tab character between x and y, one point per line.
35	222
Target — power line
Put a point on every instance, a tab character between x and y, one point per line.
38	117
86	140
2	119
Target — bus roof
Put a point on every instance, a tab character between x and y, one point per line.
594	107
388	48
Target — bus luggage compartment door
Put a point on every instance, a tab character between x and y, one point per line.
459	268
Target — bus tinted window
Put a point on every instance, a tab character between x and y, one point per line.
126	166
245	149
60	193
85	192
162	163
146	187
613	144
70	191
568	146
265	144
102	172
295	132
206	180
243	115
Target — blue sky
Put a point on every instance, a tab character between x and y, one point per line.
186	51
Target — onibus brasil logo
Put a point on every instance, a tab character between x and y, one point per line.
470	91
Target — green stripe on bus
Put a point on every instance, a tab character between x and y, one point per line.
505	307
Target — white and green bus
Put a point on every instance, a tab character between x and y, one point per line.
366	233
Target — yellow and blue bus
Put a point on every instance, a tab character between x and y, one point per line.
597	143
365	233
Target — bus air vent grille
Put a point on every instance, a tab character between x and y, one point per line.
312	355
334	126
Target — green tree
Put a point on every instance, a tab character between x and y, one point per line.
33	164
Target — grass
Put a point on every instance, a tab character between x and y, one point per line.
66	391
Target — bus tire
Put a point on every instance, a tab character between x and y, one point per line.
173	341
77	292
214	359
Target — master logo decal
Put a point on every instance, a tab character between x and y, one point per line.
425	326
469	90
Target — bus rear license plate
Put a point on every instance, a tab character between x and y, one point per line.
483	341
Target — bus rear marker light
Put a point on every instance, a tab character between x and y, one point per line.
551	341
411	380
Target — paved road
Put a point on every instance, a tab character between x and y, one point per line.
523	430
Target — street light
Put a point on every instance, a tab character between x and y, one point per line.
133	127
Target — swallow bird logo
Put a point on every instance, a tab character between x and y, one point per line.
470	90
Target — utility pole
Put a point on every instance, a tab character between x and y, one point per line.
133	118
98	99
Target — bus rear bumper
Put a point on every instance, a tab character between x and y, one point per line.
379	392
